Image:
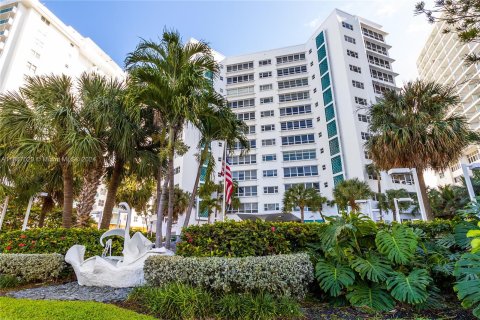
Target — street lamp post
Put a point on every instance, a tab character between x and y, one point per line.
29	207
468	180
396	201
414	173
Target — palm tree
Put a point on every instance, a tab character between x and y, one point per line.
172	79
412	129
215	123
180	203
348	191
41	120
373	171
301	197
445	200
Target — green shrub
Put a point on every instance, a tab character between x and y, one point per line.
247	238
32	267
280	275
8	281
174	301
44	240
180	301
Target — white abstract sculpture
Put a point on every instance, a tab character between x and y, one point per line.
119	272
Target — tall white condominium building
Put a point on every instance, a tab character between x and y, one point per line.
442	60
34	41
305	107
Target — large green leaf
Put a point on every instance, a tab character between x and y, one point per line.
461	230
374	297
398	245
333	277
411	288
467	270
374	267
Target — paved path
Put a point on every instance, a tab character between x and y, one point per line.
73	291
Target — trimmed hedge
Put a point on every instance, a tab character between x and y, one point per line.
32	267
279	275
247	238
43	240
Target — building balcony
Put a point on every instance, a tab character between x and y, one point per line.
8	22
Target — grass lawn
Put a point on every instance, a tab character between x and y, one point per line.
16	309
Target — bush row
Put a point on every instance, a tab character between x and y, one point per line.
279	275
179	301
32	267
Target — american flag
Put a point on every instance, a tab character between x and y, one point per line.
227	173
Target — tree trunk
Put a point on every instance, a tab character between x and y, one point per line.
302	214
161	205
195	188
379	186
423	191
171	198
47	206
67	175
115	181
86	200
159	187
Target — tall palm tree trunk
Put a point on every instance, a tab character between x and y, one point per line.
47	206
112	193
86	200
171	198
302	214
160	206
195	188
67	175
423	191
379	187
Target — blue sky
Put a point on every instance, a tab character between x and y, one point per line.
238	27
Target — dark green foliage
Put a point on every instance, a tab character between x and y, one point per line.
375	297
333	277
411	288
398	245
373	267
8	281
467	270
59	240
179	301
247	238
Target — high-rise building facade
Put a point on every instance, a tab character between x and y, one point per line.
442	61
306	111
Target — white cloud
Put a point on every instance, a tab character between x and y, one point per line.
313	23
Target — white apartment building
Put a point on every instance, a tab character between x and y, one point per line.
33	41
305	107
442	60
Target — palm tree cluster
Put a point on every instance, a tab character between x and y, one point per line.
93	129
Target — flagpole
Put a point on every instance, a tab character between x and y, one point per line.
224	164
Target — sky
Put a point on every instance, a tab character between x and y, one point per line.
238	27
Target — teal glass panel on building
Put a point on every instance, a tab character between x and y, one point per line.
323	67
332	129
337	179
329	112
327	96
336	164
321	53
320	39
325	81
203	174
204	213
334	146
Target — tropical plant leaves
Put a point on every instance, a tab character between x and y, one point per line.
468	265
374	297
467	270
412	288
398	245
461	230
333	277
374	267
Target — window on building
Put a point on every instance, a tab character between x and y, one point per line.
271	207
300	171
298	139
31	67
240	78
266	74
309	154
246	159
245	207
266	100
35	54
240	91
268	127
379	89
268	142
237	104
375	47
266	87
268	113
270	190
250	129
265	62
358	84
294	96
361	101
294	83
363	118
352	54
270	173
240	66
301	109
381	76
347	25
291	70
365	135
355	69
472	157
296	124
269	157
379	62
177	170
45	21
372	34
101	203
246	191
238	146
246	116
244	175
291	58
349	39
